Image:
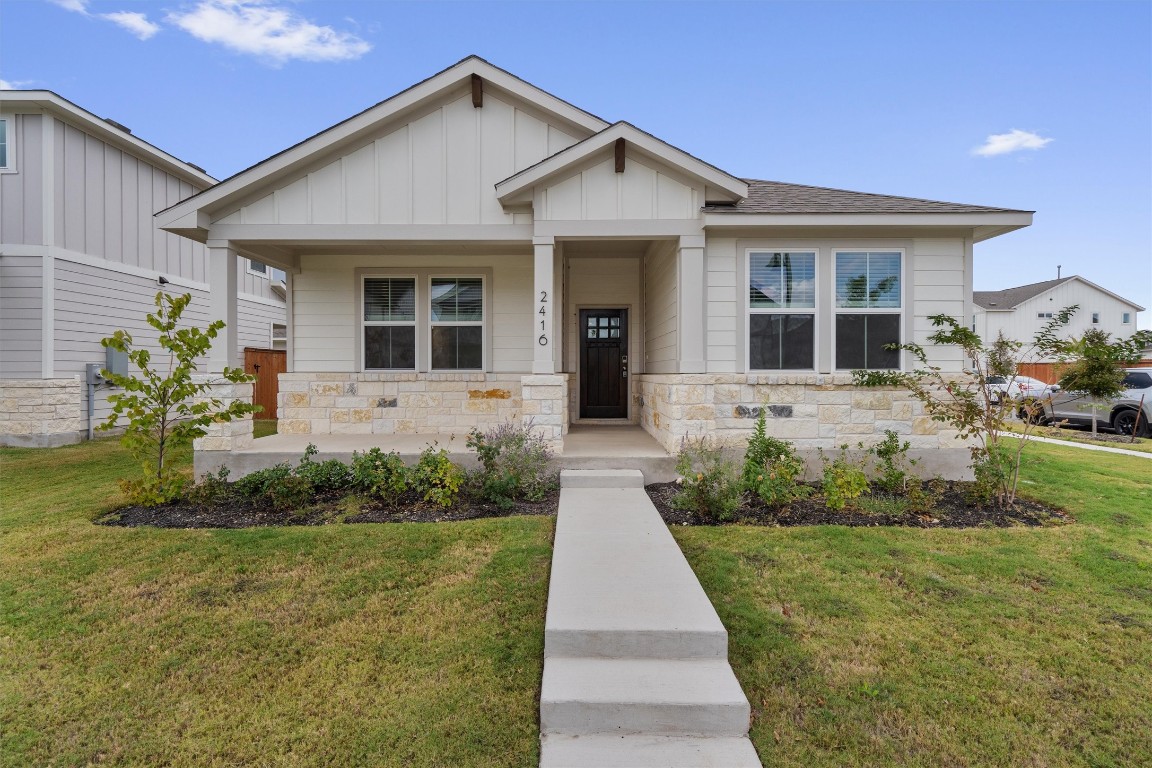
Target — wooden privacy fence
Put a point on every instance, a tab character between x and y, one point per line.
266	365
1050	373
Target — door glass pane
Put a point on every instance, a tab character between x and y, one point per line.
390	346
615	333
615	321
591	322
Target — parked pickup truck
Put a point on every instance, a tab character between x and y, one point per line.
1122	414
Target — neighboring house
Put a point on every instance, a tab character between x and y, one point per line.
474	249
1020	313
80	257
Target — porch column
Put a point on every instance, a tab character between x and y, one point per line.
222	271
543	304
691	291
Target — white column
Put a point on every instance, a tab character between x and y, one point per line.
691	290
543	306
222	277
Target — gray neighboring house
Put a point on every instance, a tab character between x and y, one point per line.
80	257
1021	312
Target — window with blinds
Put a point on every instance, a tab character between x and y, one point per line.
457	315
390	323
869	308
781	310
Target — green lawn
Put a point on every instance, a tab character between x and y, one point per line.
384	645
1021	647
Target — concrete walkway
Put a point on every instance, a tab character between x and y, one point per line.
635	658
1102	448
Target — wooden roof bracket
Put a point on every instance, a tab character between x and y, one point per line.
620	155
477	91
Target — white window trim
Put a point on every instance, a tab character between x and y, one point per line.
1095	318
749	310
266	274
482	324
415	322
836	311
272	333
10	140
1126	318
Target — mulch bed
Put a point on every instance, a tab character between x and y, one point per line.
954	509
247	513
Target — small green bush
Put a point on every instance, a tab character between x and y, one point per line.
380	475
772	470
212	489
277	485
436	478
331	476
843	481
893	464
514	464
710	484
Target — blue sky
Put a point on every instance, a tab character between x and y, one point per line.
889	97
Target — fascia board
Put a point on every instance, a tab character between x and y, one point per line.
1007	221
26	102
240	185
512	187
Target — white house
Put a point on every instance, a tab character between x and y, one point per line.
1020	313
475	249
80	257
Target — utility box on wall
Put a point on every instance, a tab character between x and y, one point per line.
116	361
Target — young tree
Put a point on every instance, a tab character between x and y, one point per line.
165	409
1097	364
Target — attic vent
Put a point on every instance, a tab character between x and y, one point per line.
115	124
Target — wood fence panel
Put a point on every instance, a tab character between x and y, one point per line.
266	365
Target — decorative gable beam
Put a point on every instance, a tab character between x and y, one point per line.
620	155
477	91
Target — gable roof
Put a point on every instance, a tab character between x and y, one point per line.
644	142
104	129
779	197
350	130
1010	298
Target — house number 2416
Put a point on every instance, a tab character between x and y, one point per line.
543	312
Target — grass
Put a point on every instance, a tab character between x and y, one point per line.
1073	435
263	428
381	645
1024	647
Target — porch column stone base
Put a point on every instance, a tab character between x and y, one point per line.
545	409
40	413
235	435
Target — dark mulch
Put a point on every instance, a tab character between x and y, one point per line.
248	513
954	509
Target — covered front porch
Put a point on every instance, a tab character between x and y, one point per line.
585	446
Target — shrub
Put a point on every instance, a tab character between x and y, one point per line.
378	474
436	478
514	464
330	476
710	483
277	485
212	489
772	470
893	463
843	481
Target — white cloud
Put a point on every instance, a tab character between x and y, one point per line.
1013	141
268	31
79	6
136	23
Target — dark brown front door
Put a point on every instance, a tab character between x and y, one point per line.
603	363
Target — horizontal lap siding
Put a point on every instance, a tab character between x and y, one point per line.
660	309
21	326
255	323
723	305
324	305
938	288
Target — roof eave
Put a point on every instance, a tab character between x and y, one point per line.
984	225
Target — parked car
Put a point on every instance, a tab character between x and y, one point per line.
1018	388
1120	414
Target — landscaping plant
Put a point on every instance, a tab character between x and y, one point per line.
163	408
893	464
329	476
436	478
279	485
772	470
843	480
710	484
514	464
1097	363
380	475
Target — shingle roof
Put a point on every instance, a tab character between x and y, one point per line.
778	197
1010	298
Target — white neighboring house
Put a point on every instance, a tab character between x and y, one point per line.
475	250
80	257
1021	312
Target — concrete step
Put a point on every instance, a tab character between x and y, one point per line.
601	478
620	587
678	697
604	751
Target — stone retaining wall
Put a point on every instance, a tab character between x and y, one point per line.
41	413
229	435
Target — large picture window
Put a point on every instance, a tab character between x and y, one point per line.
869	308
781	310
390	323
457	323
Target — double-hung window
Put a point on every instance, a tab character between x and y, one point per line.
7	161
457	319
781	310
390	323
869	308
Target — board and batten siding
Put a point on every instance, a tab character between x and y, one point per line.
1022	324
661	354
21	317
326	329
22	191
104	201
639	193
440	168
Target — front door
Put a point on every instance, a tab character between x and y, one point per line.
603	363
